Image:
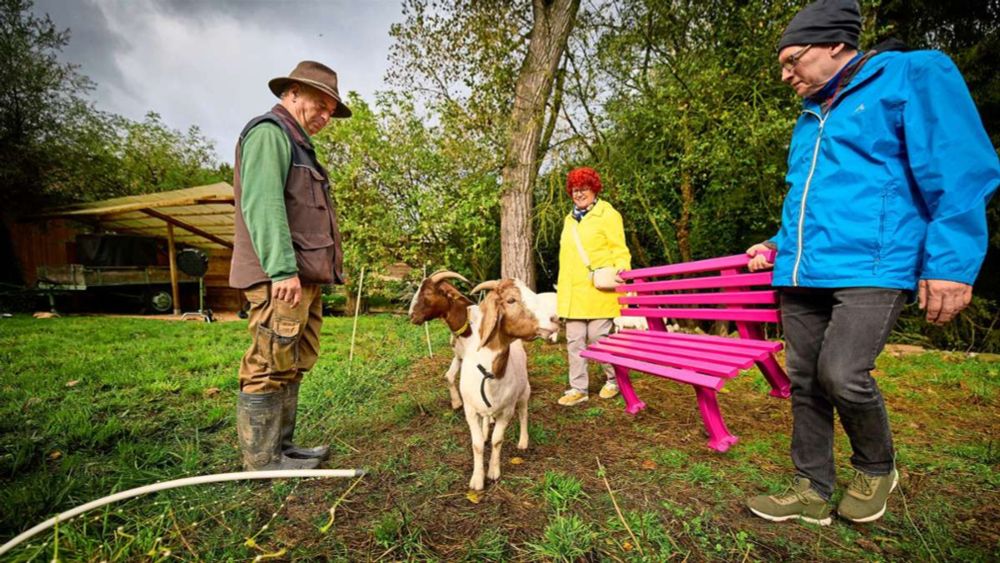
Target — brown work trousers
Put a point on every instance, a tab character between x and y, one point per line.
285	338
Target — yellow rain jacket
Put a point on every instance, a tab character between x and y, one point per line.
603	239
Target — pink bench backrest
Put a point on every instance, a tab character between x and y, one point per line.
666	291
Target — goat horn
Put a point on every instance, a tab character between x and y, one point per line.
446	274
485	286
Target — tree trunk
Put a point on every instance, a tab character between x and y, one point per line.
550	29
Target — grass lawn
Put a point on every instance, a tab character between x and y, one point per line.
93	405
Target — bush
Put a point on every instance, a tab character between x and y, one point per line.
977	329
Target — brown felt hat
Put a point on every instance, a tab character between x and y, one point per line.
315	75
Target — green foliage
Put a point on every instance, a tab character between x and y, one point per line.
36	93
975	328
411	192
155	158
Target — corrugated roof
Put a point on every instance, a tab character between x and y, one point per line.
202	216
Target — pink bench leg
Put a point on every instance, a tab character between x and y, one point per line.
719	438
632	403
780	385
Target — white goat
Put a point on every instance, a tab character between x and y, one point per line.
549	302
495	368
623	322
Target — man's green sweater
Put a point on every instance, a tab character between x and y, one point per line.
266	155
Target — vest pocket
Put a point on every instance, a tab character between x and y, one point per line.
314	254
318	189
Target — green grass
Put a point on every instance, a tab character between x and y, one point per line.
560	490
92	405
565	539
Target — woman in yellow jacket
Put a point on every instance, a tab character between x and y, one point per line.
588	311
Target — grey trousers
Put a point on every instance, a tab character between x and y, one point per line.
580	333
832	338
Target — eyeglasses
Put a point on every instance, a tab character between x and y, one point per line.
582	190
794	58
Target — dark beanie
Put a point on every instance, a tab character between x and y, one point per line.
824	21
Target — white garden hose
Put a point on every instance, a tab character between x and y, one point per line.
201	479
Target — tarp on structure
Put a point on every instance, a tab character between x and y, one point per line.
202	216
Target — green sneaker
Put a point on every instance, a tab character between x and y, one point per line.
867	496
802	503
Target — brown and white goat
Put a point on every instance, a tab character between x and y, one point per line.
436	298
494	370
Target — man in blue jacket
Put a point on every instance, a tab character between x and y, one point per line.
889	174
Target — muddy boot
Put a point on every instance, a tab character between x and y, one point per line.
258	423
288	414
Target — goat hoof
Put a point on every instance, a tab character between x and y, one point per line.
456	405
476	484
523	446
493	475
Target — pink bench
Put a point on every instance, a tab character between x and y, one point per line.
702	361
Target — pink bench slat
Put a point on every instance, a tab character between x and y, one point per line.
682	375
720	340
746	315
730	298
736	280
732	356
731	361
712	264
664	357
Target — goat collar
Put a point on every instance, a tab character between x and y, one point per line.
463	330
482	384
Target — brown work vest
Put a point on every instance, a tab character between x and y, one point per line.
312	218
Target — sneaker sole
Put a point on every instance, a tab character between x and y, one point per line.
878	514
577	402
822	521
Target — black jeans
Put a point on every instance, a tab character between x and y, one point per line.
832	338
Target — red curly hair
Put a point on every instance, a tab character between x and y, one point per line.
583	176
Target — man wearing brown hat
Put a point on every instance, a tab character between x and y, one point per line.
286	247
889	173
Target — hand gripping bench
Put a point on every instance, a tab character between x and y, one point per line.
714	289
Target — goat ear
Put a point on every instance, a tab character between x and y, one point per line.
450	290
492	315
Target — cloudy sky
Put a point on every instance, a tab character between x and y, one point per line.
207	62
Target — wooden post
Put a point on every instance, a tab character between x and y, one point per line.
172	251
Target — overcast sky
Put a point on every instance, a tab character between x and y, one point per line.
207	62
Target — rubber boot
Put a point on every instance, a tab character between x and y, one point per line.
288	414
258	423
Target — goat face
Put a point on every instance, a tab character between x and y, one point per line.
512	311
435	297
429	302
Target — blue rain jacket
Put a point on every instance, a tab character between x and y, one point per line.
890	185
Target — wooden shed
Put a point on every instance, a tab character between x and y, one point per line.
201	217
